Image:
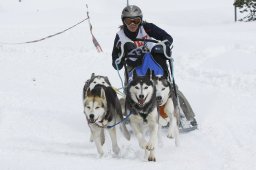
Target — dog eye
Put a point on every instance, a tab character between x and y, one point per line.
103	82
163	89
136	87
97	107
94	82
88	107
146	87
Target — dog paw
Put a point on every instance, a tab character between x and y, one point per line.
91	138
170	135
116	150
100	154
152	158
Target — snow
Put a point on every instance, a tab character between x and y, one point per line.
42	125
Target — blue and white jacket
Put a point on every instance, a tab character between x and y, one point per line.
145	31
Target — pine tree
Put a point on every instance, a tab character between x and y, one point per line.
248	7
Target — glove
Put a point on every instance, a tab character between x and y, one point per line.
134	63
129	46
133	55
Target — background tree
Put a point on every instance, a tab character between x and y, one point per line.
247	7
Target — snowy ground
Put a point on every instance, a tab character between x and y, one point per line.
42	125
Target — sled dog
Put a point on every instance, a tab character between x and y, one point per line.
141	102
94	80
103	110
166	107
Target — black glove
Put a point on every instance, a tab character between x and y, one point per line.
133	55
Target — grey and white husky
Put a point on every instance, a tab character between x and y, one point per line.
103	110
168	112
141	102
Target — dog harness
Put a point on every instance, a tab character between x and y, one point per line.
162	112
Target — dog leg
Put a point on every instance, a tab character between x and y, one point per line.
96	133
123	128
153	128
138	133
91	137
102	137
173	131
115	147
125	131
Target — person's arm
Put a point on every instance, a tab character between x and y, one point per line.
116	52
155	32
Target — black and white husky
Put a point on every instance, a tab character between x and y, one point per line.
103	110
141	102
168	112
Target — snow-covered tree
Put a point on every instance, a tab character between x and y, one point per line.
247	7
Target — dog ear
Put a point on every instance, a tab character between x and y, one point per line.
92	75
107	80
88	92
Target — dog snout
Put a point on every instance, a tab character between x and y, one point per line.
159	98
141	96
91	116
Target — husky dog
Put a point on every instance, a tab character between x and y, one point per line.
94	80
103	110
166	107
141	102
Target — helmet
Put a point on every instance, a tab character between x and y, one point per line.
131	11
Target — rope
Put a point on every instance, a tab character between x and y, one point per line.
125	119
122	83
118	91
50	36
95	42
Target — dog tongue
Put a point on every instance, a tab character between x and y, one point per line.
141	101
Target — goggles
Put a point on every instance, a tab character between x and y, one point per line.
129	21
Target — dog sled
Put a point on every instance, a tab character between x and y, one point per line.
187	121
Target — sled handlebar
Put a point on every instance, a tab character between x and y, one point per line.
118	60
147	40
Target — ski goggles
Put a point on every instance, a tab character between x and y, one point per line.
129	21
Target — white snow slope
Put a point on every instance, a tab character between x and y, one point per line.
42	126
